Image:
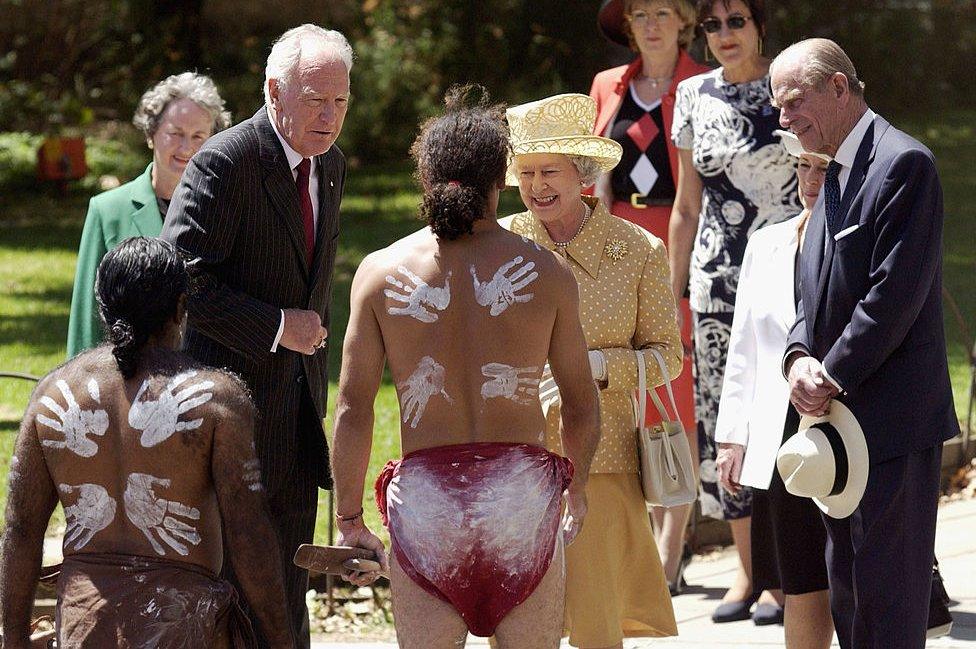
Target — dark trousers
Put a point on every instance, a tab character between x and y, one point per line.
879	559
292	507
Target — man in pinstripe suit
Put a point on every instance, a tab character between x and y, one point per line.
257	213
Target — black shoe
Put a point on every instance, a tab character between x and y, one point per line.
940	619
734	611
767	614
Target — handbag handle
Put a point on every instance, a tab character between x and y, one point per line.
642	391
667	382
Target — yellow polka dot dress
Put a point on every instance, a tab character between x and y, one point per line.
615	585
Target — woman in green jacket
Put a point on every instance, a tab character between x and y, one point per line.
177	115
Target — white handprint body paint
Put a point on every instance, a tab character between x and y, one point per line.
159	419
510	383
502	291
426	381
531	243
90	514
151	514
252	475
73	422
418	299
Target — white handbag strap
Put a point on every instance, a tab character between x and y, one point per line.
642	391
667	382
641	412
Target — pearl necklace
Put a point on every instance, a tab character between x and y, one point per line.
586	217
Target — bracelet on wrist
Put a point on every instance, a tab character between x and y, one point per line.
346	519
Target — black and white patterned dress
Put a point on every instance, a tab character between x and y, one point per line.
749	181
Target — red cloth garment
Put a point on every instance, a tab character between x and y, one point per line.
475	524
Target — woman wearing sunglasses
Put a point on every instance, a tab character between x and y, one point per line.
734	177
635	106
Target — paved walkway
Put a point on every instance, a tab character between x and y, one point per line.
955	547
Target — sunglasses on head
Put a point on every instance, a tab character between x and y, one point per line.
713	25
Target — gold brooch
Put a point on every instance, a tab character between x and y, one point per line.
615	249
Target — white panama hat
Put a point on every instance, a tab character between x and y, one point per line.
827	460
792	144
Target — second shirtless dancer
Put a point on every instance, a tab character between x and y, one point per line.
467	314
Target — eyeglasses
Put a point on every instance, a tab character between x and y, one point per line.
713	25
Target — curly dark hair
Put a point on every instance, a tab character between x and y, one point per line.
460	156
138	287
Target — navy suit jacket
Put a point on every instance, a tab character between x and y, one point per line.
871	301
236	216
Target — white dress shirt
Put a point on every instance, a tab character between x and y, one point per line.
294	159
848	148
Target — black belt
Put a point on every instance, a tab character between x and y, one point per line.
640	201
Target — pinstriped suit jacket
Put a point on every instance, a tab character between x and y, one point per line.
236	216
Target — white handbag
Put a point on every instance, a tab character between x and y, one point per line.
666	469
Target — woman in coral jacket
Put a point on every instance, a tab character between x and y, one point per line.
635	105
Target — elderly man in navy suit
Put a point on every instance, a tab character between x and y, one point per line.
869	334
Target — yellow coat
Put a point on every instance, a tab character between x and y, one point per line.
625	304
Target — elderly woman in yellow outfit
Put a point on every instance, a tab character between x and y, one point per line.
615	586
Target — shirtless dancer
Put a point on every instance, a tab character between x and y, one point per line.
466	314
151	455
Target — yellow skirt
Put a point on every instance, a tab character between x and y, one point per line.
615	586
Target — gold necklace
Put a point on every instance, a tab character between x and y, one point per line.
655	81
586	217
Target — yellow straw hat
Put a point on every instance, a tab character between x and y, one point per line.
559	124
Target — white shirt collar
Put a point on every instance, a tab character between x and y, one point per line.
848	149
293	156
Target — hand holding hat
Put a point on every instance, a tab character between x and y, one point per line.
827	460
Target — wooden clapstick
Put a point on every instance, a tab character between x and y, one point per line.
331	559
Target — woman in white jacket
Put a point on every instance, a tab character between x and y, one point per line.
755	417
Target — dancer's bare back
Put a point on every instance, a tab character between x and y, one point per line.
466	327
132	459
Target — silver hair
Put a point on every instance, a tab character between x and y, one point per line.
821	59
198	88
589	169
287	52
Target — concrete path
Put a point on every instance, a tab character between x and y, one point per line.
710	577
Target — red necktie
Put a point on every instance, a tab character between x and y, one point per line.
308	216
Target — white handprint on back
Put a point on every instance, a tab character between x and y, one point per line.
504	381
159	419
502	291
150	514
76	424
426	381
419	297
90	514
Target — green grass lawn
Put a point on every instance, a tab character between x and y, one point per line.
39	237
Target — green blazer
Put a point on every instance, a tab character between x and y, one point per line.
113	216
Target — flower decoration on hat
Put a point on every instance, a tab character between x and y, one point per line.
560	124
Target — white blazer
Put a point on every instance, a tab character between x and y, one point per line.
755	396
